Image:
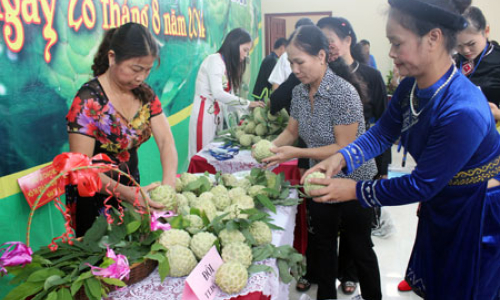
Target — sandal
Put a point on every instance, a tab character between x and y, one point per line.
303	285
348	287
403	286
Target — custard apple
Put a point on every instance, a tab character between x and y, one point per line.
250	127
229	180
261	233
237	191
181	261
219	190
178	185
227	236
244	184
234	212
173	237
231	277
238	252
246	140
165	195
221	201
182	200
201	243
308	187
206	196
187	178
261	129
255	190
262	150
244	201
195	224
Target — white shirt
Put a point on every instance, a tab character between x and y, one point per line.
281	71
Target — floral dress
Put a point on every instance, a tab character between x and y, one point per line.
93	115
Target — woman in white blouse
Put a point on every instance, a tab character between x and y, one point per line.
218	82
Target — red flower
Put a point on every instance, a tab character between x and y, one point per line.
92	108
101	137
123	142
156	106
91	129
74	110
115	128
123	156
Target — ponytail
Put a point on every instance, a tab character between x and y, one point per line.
101	62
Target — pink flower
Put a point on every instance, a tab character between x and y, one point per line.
155	224
119	269
15	254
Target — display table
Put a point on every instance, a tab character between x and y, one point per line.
204	162
260	285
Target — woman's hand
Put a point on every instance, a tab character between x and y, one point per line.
282	154
335	190
495	111
254	104
330	166
143	199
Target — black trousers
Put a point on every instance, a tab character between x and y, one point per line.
322	260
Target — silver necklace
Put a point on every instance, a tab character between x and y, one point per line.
355	68
435	93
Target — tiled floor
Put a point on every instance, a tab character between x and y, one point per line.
393	252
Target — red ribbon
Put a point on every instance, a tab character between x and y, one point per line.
87	181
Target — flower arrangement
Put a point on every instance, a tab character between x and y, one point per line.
120	240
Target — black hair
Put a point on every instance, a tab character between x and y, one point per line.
365	42
311	39
128	41
343	28
358	48
230	51
303	22
280	42
475	18
421	27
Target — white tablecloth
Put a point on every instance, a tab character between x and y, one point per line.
151	288
243	161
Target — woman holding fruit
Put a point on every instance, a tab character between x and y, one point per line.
219	80
114	114
444	122
327	113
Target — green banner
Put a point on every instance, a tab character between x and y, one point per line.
46	52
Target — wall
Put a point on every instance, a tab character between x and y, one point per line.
368	17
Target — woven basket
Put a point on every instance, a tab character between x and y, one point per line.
138	272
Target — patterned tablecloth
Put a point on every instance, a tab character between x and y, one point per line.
260	285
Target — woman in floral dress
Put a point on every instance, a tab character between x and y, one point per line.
114	113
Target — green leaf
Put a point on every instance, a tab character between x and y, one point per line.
260	268
63	294
93	286
55	280
264	200
156	256
52	296
163	269
248	236
113	281
158	247
24	290
97	231
133	226
284	271
42	274
176	222
75	287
